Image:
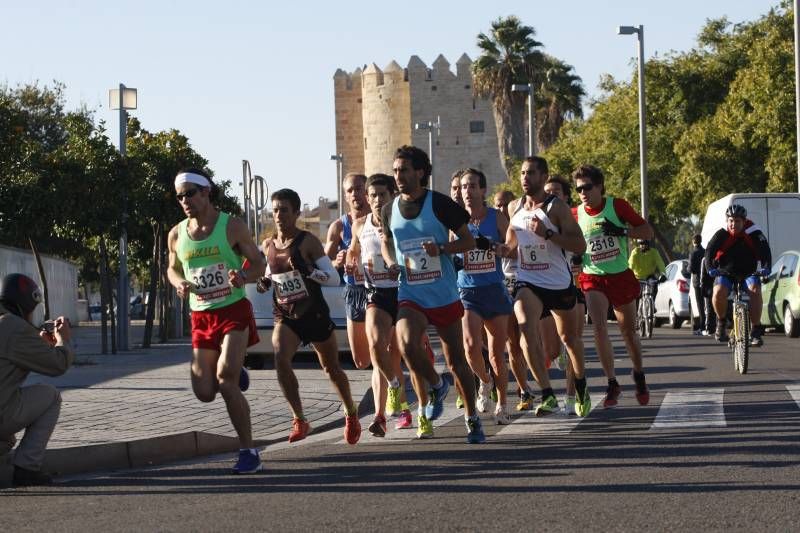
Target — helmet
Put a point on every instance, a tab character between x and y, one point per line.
20	294
736	210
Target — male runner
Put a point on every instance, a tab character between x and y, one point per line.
296	267
205	258
416	244
607	223
542	228
502	199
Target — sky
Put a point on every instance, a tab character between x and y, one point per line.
254	80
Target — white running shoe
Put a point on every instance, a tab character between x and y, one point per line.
501	417
484	399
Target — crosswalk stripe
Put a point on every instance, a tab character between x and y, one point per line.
794	390
691	408
528	423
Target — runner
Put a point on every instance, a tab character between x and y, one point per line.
415	244
502	199
606	223
542	228
340	235
483	294
455	187
297	266
381	314
205	256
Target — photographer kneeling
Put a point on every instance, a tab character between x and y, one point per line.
25	349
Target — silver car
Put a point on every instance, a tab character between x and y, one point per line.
672	300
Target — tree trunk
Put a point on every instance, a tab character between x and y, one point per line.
163	292
511	124
106	283
103	301
151	290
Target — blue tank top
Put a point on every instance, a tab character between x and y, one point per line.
482	267
344	244
425	280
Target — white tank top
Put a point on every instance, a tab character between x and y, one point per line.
540	262
375	273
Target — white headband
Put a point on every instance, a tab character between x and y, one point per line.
190	177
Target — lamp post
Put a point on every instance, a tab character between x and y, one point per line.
123	98
339	158
528	88
430	127
639	32
797	85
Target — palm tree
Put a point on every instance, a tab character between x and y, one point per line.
510	54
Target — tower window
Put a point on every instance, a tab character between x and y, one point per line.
476	126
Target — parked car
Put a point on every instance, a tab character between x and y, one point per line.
781	295
672	300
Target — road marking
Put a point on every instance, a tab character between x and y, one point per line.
691	408
528	423
794	390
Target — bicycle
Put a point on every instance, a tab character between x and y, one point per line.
645	314
739	338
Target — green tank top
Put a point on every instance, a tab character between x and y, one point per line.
206	264
604	254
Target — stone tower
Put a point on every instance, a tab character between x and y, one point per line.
391	101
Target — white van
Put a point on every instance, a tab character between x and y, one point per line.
262	309
777	214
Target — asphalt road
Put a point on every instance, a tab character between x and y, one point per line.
713	451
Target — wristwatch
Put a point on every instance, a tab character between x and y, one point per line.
549	233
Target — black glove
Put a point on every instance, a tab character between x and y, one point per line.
482	243
609	228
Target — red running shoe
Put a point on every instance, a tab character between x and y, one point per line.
404	420
300	430
613	394
642	391
352	429
378	426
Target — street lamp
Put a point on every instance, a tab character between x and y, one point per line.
339	158
123	98
797	85
528	88
430	127
639	32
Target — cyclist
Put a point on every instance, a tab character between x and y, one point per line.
737	249
647	265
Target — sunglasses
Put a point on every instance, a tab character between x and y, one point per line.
584	188
188	194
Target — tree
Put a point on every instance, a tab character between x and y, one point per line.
509	55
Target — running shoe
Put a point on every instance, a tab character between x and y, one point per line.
493	395
435	406
424	427
30	478
352	429
248	463
404	420
501	416
583	403
613	394
459	401
484	393
755	337
300	430
393	401
721	335
642	392
525	402
244	379
475	433
561	360
569	405
548	406
378	426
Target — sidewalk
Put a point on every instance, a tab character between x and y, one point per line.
137	408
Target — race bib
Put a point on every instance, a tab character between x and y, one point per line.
421	268
289	287
376	267
359	274
479	261
211	283
534	256
603	248
510	282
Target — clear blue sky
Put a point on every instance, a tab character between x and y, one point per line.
248	81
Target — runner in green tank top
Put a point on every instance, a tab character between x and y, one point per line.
607	223
205	265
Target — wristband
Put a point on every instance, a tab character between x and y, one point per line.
548	234
241	273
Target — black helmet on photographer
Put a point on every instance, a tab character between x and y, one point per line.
20	295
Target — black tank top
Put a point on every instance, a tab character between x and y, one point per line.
293	293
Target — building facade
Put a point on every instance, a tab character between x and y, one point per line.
377	110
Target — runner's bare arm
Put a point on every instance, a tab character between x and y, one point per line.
240	239
323	271
509	248
570	237
175	268
354	252
502	226
463	243
332	243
